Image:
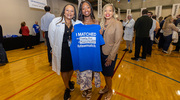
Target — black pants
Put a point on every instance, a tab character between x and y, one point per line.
141	41
48	47
149	46
161	41
167	42
27	41
37	38
3	56
178	45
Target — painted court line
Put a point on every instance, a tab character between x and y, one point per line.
27	57
99	98
168	55
73	76
153	71
115	91
29	86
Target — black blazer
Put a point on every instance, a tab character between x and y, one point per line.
142	26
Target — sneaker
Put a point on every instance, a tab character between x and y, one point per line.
134	58
125	50
71	85
67	95
144	59
164	51
130	51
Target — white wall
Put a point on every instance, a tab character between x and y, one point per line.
137	4
13	12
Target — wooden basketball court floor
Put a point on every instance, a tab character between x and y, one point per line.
28	76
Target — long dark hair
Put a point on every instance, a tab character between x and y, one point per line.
62	13
80	14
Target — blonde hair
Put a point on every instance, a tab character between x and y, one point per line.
167	21
103	17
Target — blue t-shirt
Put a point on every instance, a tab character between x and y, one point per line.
85	47
36	28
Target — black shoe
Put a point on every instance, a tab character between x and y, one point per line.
67	95
134	58
2	64
148	55
130	51
50	63
175	50
125	50
71	85
31	47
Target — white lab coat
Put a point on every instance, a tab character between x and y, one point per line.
151	32
129	30
55	34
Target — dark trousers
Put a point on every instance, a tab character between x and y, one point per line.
161	41
149	46
48	47
167	41
27	41
37	38
3	56
141	41
178	45
177	48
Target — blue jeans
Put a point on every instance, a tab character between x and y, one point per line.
167	41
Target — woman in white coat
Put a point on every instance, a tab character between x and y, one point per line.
60	30
129	33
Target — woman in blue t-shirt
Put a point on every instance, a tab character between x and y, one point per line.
86	15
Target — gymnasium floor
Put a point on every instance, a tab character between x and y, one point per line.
28	76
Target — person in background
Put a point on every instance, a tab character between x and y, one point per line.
112	31
161	39
151	35
129	33
160	19
142	27
45	21
168	28
26	37
36	30
178	25
3	56
157	28
158	33
60	30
